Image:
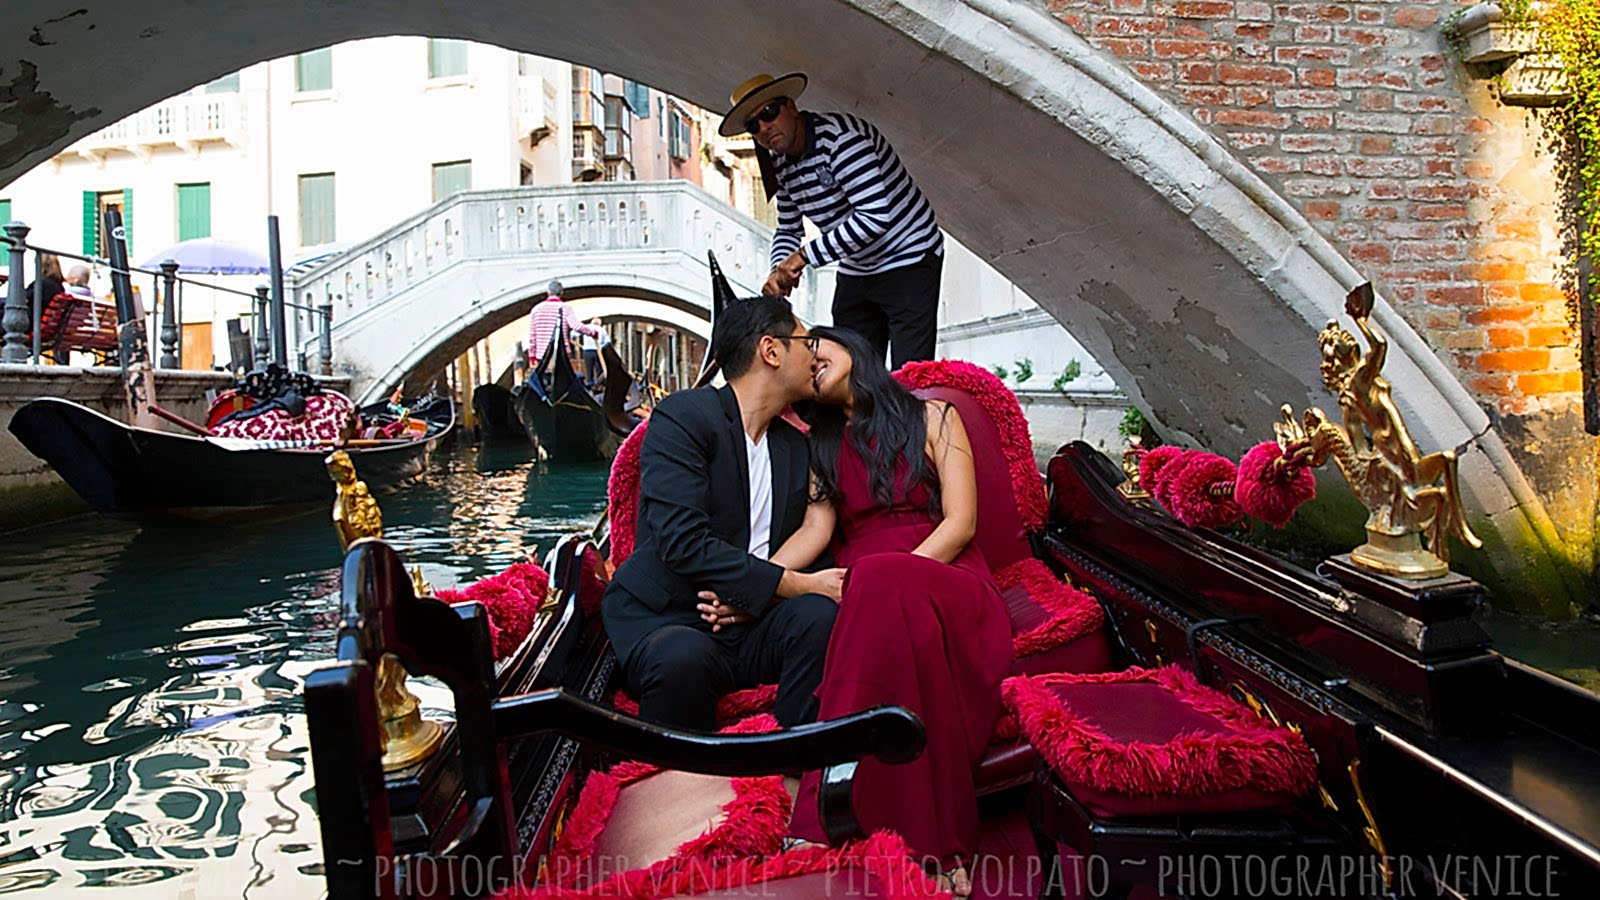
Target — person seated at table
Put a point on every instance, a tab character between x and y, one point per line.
49	277
77	283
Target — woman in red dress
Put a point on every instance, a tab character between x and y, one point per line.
921	623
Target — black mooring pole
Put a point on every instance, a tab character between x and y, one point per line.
280	325
133	345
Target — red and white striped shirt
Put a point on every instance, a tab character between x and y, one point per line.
546	318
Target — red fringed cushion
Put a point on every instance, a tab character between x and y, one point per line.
1188	494
622	494
731	708
1270	492
325	416
1006	414
1046	612
511	599
880	866
753	812
1156	742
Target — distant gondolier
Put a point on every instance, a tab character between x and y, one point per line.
840	172
547	318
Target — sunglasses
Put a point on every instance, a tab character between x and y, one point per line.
812	341
767	114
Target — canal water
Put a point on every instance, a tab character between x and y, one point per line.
151	736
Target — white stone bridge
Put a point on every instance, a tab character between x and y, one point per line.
411	299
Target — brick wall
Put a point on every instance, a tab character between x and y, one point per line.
1359	115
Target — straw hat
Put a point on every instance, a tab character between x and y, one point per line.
750	97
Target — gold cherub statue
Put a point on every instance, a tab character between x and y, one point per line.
1130	488
406	736
1408	495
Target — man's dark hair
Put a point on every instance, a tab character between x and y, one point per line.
738	330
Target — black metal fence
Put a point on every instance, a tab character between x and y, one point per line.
24	314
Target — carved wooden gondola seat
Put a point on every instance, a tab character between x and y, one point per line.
1055	627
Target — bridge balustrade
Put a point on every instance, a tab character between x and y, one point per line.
557	226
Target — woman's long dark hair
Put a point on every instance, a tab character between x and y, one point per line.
888	428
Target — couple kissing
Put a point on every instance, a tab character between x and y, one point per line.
837	564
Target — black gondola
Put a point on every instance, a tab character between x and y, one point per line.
119	468
1429	765
497	416
566	422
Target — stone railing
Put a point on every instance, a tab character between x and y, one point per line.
187	120
566	220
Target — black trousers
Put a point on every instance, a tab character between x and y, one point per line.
897	309
591	366
680	672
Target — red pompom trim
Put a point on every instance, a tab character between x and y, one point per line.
511	599
1073	613
1152	461
884	856
1271	492
1188	490
622	494
1006	413
1255	754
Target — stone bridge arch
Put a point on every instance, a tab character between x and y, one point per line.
1197	287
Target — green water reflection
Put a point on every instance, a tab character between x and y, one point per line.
150	728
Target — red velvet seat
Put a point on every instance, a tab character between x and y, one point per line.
1148	761
1155	742
1054	626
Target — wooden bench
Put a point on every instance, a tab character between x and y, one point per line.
70	322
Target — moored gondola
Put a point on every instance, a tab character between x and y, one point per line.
496	413
125	469
1187	715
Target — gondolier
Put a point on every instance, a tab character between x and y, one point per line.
549	316
840	172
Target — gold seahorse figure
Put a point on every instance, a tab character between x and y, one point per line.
1410	496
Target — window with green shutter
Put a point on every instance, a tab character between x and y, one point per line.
5	211
91	223
316	209
451	178
194	211
313	70
446	58
127	220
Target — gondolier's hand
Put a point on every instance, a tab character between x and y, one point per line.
785	275
778	284
713	610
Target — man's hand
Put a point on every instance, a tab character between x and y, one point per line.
785	275
719	614
829	583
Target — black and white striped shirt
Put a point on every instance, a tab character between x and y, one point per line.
851	185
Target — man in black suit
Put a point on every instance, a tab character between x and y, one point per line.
703	528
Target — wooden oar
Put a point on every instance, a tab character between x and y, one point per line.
180	421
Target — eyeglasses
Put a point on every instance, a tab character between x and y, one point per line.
767	114
812	341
